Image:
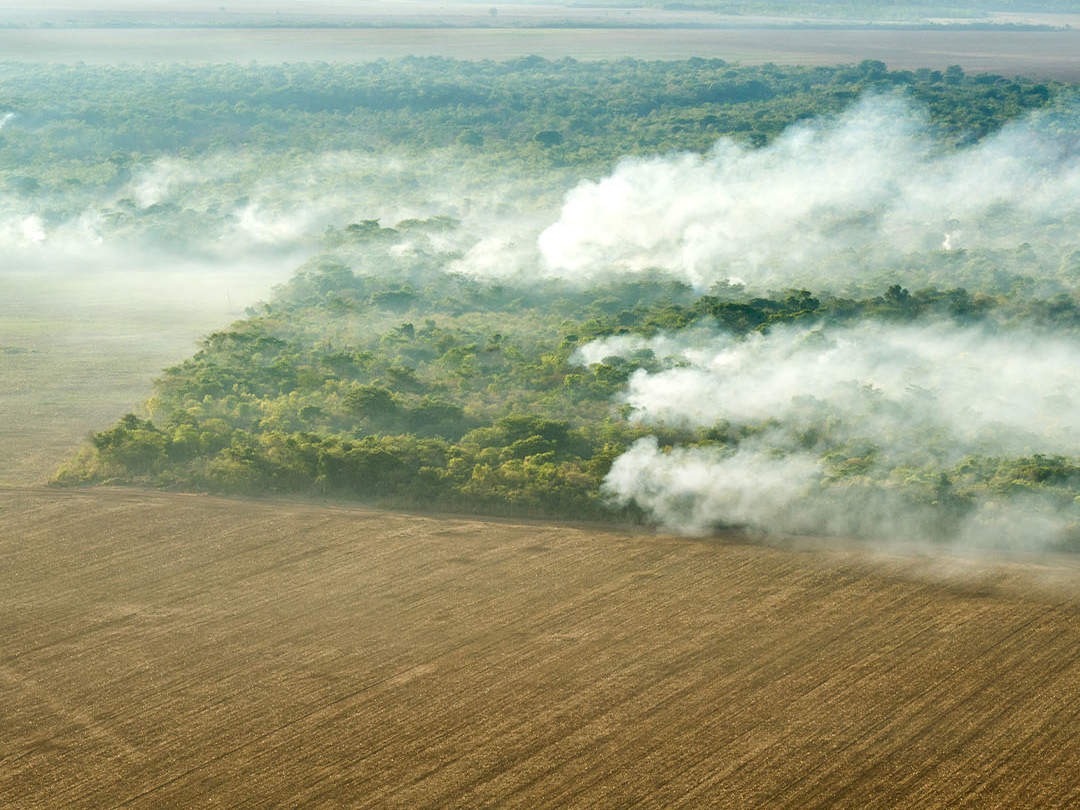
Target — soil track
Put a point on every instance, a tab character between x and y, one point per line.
162	650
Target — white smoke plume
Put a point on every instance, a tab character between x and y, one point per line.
825	204
242	206
692	490
873	182
1010	392
895	397
695	490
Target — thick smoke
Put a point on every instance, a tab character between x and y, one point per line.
834	201
891	399
846	429
825	206
974	389
692	490
245	206
873	185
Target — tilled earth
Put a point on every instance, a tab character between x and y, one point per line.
163	650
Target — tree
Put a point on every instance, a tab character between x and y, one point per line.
548	137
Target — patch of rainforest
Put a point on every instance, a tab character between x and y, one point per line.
386	372
408	386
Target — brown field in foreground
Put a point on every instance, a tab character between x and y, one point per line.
1049	54
162	650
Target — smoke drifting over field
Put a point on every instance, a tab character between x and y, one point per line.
696	490
885	400
875	181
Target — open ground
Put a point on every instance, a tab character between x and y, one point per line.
164	650
1044	54
80	349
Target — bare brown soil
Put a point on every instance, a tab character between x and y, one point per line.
161	650
79	350
1042	54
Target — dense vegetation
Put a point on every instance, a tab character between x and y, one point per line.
423	388
380	373
77	127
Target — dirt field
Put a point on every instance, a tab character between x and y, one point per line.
180	651
76	353
1049	54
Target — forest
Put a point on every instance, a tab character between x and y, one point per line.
72	127
691	294
413	387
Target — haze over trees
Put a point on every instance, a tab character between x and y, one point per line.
470	329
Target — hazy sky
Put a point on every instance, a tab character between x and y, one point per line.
248	6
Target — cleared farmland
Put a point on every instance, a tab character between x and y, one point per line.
79	351
1044	54
175	650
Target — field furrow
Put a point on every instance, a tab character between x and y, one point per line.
161	650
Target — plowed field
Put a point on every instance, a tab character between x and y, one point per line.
162	650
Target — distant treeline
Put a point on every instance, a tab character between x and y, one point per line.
81	127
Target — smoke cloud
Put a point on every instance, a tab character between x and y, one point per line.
875	429
890	401
1011	392
693	490
831	203
871	186
244	203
